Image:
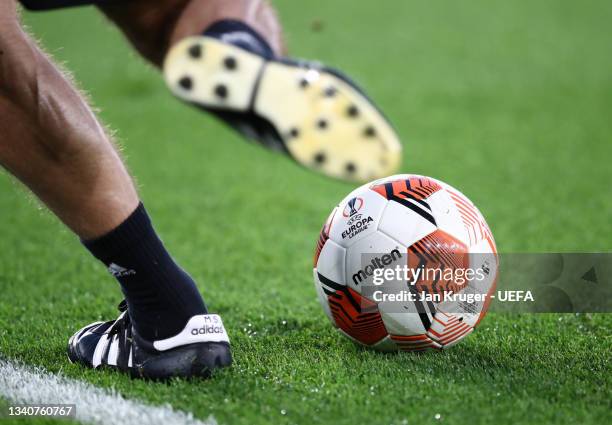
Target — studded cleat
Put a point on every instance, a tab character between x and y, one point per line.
314	114
197	351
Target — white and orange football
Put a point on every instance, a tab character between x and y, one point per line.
405	222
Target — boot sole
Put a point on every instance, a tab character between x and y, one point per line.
189	361
325	123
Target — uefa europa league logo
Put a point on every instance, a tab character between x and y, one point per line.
352	207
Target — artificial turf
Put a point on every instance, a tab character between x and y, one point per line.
508	101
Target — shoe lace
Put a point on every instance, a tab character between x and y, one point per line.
122	322
122	306
122	328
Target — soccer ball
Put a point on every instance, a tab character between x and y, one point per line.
392	262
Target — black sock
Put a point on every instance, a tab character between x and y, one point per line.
241	35
161	297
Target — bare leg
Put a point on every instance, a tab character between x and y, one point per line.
51	140
153	30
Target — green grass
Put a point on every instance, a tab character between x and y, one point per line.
508	101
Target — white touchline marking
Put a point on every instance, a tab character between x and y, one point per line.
22	384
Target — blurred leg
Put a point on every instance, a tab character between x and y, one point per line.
153	30
223	56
